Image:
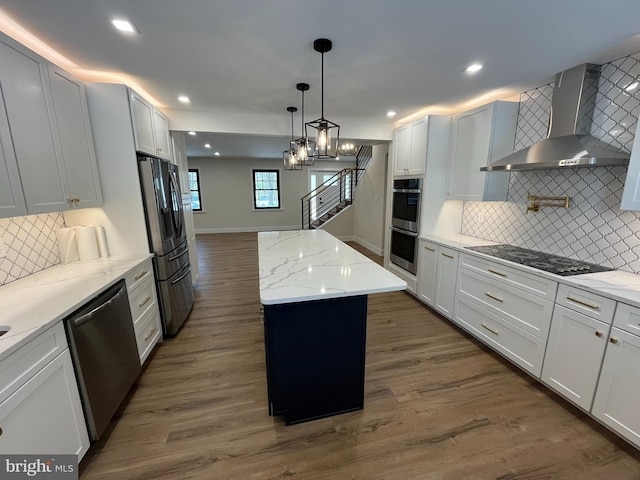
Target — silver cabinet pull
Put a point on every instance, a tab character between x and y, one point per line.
262	314
447	255
494	297
430	249
584	304
487	327
146	300
614	341
140	275
151	333
491	270
599	334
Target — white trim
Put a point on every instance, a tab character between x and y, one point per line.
247	229
368	246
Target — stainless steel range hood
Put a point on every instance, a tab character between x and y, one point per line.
569	142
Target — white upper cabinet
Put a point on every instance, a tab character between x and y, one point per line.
479	137
631	192
150	128
45	134
76	140
410	151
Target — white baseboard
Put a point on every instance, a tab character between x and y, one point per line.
247	229
345	238
365	244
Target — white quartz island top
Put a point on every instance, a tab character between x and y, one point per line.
304	265
32	304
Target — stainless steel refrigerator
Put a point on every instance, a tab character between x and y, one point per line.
167	239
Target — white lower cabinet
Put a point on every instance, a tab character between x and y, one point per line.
43	414
574	355
427	272
445	292
618	394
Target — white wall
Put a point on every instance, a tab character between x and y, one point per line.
227	194
341	226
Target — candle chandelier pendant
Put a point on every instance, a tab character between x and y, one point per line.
291	161
305	148
325	133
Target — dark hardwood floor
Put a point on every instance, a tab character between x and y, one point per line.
438	404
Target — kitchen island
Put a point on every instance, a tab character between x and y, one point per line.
314	289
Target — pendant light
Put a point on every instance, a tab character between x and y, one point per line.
289	156
325	145
304	146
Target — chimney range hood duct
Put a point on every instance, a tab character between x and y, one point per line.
569	142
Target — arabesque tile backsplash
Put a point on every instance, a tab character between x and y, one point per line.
593	228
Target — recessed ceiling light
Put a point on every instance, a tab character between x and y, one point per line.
184	99
125	26
391	113
217	154
191	133
473	68
632	86
206	145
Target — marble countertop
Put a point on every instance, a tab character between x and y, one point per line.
303	265
34	303
617	284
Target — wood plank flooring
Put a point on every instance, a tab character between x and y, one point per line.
438	404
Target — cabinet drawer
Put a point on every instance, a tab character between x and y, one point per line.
148	332
142	298
521	347
523	309
138	274
21	365
592	305
627	318
528	282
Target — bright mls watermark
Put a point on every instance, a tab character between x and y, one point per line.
50	467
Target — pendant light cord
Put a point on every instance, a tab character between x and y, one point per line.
322	86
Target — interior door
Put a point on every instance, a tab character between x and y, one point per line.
318	206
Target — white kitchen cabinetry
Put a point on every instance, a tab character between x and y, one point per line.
618	394
446	281
427	272
410	149
12	202
479	137
50	135
40	409
150	128
574	355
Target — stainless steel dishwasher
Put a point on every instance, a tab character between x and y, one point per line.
105	355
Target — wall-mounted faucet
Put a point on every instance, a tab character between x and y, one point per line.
535	202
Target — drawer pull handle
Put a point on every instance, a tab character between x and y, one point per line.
584	304
599	334
447	255
497	272
146	300
614	341
140	275
494	297
430	249
151	334
487	327
262	314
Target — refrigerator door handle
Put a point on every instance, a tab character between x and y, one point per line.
178	280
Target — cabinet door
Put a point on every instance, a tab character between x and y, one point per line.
11	197
574	355
618	395
469	152
402	151
76	139
427	272
45	415
143	130
161	135
446	281
26	93
418	152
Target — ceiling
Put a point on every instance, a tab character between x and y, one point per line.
244	57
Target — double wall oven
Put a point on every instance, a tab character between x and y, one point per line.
405	221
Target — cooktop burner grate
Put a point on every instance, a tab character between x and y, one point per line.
542	261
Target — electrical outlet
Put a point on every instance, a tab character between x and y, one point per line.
481	217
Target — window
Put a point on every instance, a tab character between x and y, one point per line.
194	186
266	189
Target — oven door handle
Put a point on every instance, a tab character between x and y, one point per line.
404	232
405	190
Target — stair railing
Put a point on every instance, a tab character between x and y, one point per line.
328	198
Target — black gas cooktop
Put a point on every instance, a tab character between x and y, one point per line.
542	261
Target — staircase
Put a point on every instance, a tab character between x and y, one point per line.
336	194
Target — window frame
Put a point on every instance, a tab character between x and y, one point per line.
199	190
254	190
